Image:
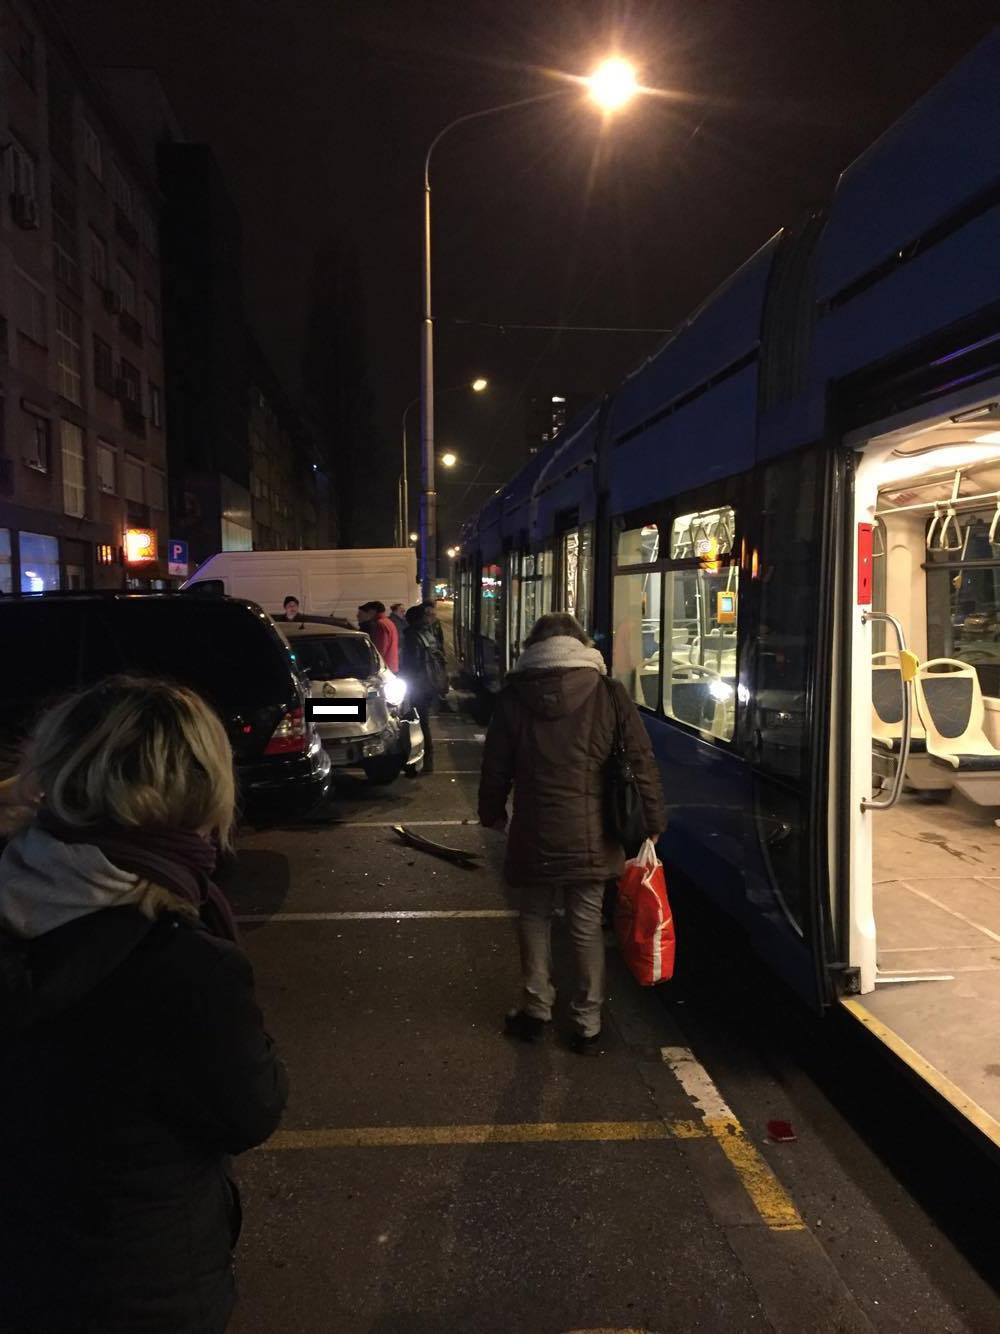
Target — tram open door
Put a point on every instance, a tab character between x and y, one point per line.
922	787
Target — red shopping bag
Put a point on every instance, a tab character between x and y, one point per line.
644	923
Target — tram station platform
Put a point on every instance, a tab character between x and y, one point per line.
431	1175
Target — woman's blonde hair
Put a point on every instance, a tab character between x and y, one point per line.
555	623
136	753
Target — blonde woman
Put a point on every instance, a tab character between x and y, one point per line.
132	1054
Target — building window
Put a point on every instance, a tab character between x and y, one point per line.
92	150
35	442
155	404
157	498
6	568
98	260
39	562
133	485
150	317
106	467
21	184
22	56
147	230
62	131
121	192
30	307
64	238
69	355
125	287
131	382
73	470
235	537
104	366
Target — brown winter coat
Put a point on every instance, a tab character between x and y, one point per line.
551	735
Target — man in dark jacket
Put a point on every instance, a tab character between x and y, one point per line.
550	737
425	674
397	614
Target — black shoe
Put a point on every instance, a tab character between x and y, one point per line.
526	1027
583	1045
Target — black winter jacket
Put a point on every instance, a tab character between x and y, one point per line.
132	1061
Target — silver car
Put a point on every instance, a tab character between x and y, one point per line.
358	705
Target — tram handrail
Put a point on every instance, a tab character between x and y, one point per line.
869	803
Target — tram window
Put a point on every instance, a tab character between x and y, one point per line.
536	589
577	573
699	675
570	570
963	590
639	546
489	601
636	649
513	608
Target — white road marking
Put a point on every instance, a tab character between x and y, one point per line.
440	914
391	824
697	1083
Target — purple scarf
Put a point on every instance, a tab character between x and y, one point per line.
176	859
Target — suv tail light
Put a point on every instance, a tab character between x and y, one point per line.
291	736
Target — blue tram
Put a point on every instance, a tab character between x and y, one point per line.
782	531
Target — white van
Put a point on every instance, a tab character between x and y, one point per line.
326	583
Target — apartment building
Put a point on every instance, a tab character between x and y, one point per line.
82	413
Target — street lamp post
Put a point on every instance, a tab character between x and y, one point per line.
478	386
611	86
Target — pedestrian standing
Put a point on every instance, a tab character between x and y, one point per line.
380	629
397	614
132	1054
430	610
424	672
551	736
291	607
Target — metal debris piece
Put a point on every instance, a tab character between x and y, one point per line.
458	856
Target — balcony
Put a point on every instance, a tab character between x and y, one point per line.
130	327
126	228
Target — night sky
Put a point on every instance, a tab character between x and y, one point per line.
320	113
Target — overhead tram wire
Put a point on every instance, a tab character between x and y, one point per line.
557	328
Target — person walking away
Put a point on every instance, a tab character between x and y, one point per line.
377	625
132	1054
397	614
552	732
424	672
291	608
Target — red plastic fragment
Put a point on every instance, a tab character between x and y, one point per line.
780	1132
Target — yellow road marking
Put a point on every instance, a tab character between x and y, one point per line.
369	1137
976	1115
769	1196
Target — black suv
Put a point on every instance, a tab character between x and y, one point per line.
226	649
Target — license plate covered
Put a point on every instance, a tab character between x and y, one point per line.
336	710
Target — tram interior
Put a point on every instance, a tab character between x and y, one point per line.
936	861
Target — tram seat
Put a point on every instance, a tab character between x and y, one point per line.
950	704
922	775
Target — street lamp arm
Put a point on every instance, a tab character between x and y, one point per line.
478	115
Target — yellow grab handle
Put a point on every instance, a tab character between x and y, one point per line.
908	664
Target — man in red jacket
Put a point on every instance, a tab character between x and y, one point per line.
383	634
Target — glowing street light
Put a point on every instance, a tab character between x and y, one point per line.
478	385
452	552
449	460
413	537
613	84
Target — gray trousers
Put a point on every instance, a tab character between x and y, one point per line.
583	917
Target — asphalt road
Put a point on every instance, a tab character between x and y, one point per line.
433	1176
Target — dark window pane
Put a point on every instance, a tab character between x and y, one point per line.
333	658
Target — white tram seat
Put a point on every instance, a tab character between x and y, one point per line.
950	703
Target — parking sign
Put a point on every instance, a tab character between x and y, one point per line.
177	558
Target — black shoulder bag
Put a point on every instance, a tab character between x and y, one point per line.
624	814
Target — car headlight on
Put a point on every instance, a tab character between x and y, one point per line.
394	688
